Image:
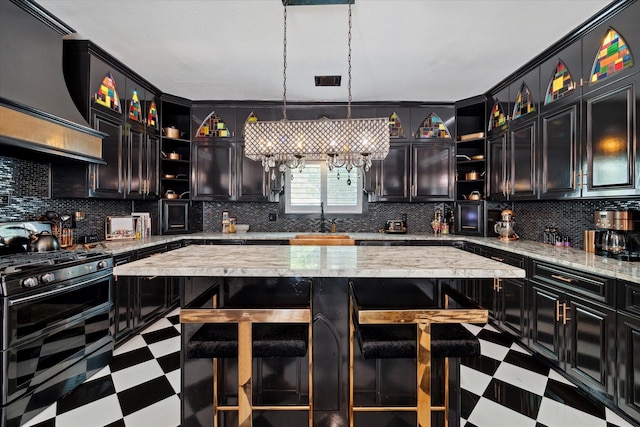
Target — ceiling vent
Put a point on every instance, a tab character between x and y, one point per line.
328	80
315	2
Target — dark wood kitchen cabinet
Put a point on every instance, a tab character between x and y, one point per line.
388	179
432	171
115	100
522	161
512	143
573	323
610	159
497	167
628	340
560	123
212	167
512	163
123	299
560	153
139	301
413	172
150	292
506	298
254	184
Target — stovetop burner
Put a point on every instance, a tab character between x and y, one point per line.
33	270
23	262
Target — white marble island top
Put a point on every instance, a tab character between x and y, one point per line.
319	261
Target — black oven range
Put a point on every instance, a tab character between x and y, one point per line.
57	326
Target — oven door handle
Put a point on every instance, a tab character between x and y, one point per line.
13	302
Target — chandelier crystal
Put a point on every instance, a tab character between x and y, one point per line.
349	143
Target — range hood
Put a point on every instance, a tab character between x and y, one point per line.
36	110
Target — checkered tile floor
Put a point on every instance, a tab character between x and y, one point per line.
504	387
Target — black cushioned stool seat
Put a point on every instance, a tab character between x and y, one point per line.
399	341
269	340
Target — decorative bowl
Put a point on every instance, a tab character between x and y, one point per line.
242	228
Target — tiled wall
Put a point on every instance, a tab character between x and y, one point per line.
419	216
27	184
571	218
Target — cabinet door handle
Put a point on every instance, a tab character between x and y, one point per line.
564	279
495	258
497	284
558	315
565	318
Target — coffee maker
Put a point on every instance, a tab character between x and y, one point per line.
618	234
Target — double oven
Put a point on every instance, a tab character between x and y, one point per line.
57	326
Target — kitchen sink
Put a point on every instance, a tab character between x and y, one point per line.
322	240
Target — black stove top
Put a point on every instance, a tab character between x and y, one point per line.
32	271
23	262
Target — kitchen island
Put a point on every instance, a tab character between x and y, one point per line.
330	268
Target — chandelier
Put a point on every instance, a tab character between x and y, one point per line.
349	143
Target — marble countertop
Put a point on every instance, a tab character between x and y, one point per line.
319	261
568	257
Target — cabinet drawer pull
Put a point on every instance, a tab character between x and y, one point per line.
495	258
564	279
468	227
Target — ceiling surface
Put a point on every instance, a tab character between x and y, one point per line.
402	50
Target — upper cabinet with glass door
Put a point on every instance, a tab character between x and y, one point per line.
610	102
560	131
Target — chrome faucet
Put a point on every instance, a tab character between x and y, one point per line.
322	219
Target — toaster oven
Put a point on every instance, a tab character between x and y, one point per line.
395	226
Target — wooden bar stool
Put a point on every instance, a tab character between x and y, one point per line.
397	319
270	318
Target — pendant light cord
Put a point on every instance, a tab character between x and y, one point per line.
284	63
349	69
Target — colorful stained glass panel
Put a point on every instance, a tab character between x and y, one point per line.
433	127
152	117
614	56
524	102
213	126
135	112
395	127
107	94
497	118
560	85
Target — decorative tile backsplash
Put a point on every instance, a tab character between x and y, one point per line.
27	184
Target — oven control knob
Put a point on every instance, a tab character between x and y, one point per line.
101	265
29	282
47	277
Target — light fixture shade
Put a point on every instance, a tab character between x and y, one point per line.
321	139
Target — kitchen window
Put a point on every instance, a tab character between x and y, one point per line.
340	191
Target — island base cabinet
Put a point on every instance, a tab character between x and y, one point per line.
629	364
123	300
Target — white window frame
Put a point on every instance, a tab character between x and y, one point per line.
357	178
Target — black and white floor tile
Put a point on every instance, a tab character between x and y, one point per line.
506	386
